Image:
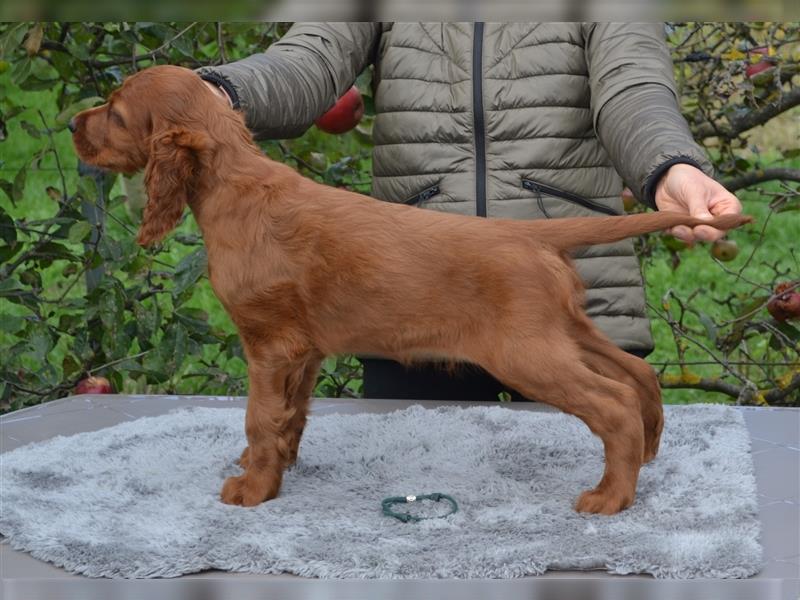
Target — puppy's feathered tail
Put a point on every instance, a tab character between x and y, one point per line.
569	233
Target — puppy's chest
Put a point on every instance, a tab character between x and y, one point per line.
238	279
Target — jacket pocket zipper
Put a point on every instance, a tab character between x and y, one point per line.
425	194
574	198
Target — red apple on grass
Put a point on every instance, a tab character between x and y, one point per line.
785	305
94	385
344	115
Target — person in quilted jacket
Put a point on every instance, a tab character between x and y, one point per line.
514	120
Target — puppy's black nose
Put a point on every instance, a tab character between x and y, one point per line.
71	125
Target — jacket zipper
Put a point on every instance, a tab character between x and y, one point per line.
424	195
477	115
551	191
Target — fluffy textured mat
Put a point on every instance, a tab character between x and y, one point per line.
141	499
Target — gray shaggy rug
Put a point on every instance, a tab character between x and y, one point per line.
141	499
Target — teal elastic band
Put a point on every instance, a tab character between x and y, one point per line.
405	517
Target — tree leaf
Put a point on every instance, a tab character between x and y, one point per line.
111	307
34	40
21	71
174	346
710	326
11	324
31	129
196	323
8	230
78	231
18	188
81	346
733	54
147	322
73	109
234	346
189	270
11	39
40	341
53	251
183	45
8	188
70	366
9	285
789	331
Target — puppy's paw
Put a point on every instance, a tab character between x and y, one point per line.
247	490
603	502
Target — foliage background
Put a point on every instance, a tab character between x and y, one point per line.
78	297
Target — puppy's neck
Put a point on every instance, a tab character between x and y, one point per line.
237	187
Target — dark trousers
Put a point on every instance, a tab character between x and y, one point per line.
388	379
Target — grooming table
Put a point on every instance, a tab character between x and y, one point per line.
775	435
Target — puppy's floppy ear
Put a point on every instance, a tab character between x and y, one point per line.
170	177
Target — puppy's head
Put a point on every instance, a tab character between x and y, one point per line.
156	121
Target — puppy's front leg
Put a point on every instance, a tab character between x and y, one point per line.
300	400
268	425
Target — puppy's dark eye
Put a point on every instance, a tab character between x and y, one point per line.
116	118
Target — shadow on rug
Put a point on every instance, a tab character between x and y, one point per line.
141	499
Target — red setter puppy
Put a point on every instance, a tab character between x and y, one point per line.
306	270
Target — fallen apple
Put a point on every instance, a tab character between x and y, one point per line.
753	70
762	65
785	303
629	202
344	115
724	250
94	385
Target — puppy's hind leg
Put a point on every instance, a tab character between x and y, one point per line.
605	358
549	368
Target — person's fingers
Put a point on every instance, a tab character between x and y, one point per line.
698	207
704	233
726	204
687	189
683	233
723	203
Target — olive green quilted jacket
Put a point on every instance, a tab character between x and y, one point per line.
519	120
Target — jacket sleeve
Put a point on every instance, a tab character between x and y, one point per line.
284	89
634	104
